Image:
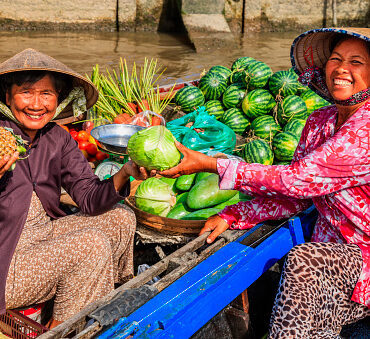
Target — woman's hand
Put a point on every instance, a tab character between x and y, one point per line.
192	162
7	162
133	170
139	173
215	224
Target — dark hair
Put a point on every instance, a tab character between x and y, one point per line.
339	38
62	82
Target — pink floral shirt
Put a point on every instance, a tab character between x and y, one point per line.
330	169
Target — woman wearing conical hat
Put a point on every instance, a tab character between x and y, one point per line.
325	283
45	254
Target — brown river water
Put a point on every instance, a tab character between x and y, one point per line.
82	50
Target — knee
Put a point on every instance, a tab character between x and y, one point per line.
298	257
125	217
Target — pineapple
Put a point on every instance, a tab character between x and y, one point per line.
9	143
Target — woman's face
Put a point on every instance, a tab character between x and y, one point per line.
33	105
348	69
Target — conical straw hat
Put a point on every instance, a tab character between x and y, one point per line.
312	48
30	60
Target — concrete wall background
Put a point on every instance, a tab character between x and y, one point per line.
131	15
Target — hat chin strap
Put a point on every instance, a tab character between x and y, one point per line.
76	96
355	99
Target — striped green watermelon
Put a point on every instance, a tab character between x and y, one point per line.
284	145
292	107
237	77
313	101
291	70
283	83
258	151
215	108
265	127
212	86
242	63
236	120
188	98
222	71
233	95
257	103
295	126
258	74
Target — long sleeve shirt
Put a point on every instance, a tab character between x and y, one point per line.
330	169
53	161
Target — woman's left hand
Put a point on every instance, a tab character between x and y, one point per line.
133	170
139	173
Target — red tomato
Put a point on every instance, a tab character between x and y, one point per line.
156	121
91	149
133	107
83	144
91	159
73	134
101	156
82	136
85	153
142	106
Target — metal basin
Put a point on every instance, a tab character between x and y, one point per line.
114	137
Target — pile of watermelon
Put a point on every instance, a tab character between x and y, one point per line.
268	109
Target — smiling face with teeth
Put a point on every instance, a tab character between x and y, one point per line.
348	68
33	105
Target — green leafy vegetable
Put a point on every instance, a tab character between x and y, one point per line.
154	148
155	196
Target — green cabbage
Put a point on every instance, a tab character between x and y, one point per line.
154	148
155	196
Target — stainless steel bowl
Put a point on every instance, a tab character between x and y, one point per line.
114	137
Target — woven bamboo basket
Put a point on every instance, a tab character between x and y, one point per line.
162	224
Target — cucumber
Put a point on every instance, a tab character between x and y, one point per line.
181	198
234	200
185	182
226	203
202	214
179	211
206	193
201	175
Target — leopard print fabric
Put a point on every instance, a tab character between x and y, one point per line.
314	296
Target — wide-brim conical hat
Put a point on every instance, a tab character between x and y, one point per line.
312	48
31	60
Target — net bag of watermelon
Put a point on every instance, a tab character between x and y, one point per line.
201	132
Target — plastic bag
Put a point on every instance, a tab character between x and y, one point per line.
201	132
148	118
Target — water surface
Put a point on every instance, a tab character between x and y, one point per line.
82	50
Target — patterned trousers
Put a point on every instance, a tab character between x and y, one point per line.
76	259
314	296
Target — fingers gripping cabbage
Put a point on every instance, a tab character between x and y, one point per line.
154	148
155	196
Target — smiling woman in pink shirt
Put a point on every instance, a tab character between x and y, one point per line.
325	283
